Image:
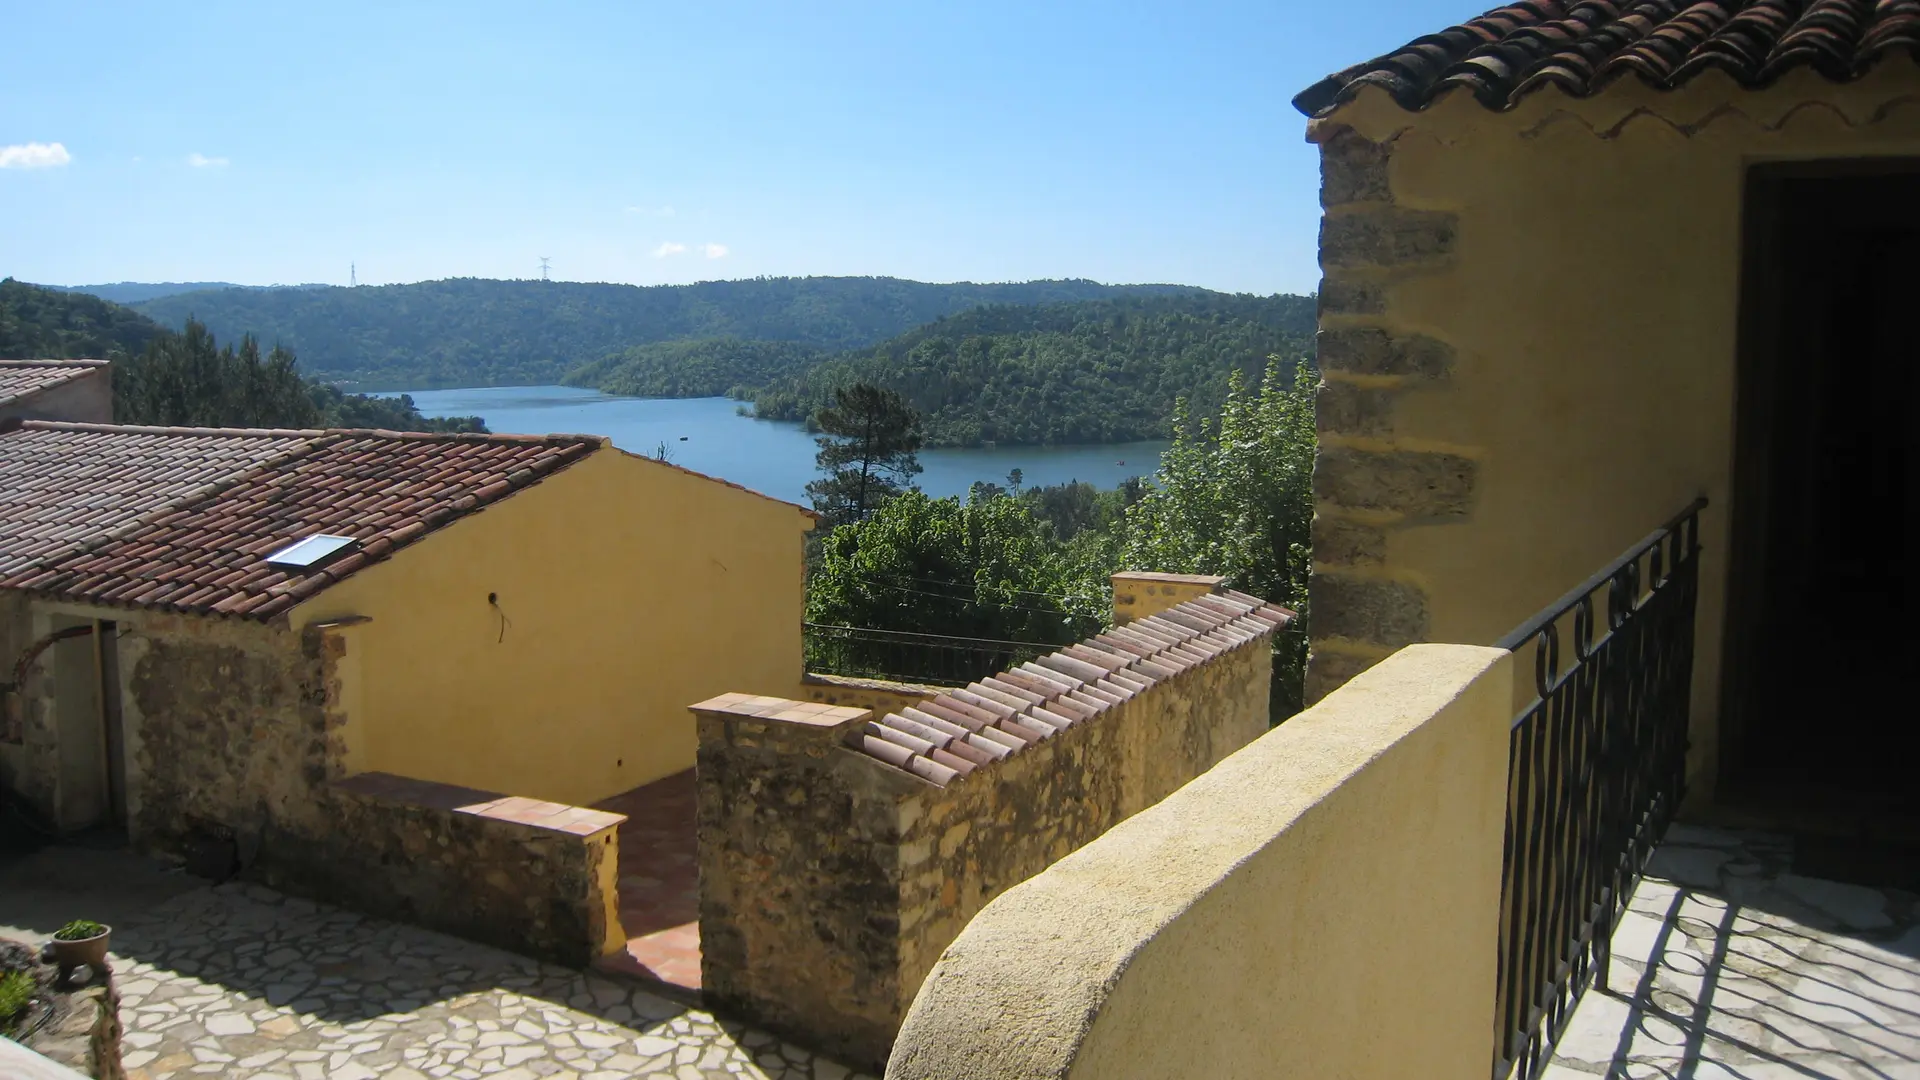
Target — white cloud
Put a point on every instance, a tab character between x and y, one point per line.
671	247
651	211
33	155
202	161
715	251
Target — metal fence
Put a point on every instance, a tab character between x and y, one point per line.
1597	767
908	656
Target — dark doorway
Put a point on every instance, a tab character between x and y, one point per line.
1819	702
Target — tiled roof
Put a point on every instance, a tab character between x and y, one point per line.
18	378
1583	46
949	736
65	485
384	489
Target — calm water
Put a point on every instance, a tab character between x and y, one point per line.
768	456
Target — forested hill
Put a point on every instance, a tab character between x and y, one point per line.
1089	372
478	332
44	324
133	292
165	377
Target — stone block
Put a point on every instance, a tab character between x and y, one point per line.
1346	409
1387	237
1339	542
1368	350
1353	169
1329	671
1379	611
1418	484
1351	296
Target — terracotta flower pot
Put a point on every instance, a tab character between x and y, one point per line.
92	951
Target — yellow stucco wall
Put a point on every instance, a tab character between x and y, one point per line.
1590	300
626	590
1231	931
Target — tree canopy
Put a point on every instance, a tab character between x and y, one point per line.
869	451
477	332
187	378
1091	372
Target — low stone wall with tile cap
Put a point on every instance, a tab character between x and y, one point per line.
841	851
534	877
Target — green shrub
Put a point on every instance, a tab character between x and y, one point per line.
16	990
79	930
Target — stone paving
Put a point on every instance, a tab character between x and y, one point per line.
239	981
1728	965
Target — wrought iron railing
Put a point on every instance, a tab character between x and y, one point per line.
1597	766
911	656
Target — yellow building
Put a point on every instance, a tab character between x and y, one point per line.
519	615
1584	263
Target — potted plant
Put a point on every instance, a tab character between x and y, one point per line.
81	941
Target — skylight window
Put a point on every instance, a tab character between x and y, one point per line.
312	552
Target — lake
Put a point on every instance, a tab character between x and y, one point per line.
771	457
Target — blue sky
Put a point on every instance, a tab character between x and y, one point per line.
649	142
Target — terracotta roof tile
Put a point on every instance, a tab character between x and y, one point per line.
63	486
958	732
24	378
203	550
1582	46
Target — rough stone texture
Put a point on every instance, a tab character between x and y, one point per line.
1387	238
1351	296
1368	350
1416	484
1327	671
233	740
1353	169
1374	610
1340	542
830	881
1727	965
538	891
1142	594
1346	409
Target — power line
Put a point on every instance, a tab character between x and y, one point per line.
543	268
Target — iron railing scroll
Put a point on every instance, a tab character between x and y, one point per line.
1597	766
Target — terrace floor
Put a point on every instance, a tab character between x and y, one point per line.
1731	965
241	982
659	883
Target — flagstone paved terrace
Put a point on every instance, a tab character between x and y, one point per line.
1729	965
239	981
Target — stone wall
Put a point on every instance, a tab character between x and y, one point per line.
832	878
236	745
1368	480
530	876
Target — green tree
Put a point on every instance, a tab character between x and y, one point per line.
869	451
983	570
187	380
1236	499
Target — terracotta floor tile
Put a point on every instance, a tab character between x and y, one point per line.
659	881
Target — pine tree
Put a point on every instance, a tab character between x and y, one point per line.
869	450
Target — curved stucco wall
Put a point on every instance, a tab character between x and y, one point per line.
1323	903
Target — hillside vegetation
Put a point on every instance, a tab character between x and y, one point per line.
476	332
1101	371
708	367
45	324
188	378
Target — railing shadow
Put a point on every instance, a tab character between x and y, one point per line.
1742	979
